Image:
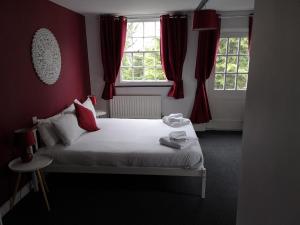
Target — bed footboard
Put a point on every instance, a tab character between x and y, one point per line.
199	172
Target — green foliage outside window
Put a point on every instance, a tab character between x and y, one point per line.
232	64
141	60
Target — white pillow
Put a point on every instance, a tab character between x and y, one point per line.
47	133
67	128
49	119
87	104
70	109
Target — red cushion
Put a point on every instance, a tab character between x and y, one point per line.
86	119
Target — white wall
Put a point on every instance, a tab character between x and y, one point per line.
227	107
270	180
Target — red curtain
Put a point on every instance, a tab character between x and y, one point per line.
206	55
250	31
173	45
113	36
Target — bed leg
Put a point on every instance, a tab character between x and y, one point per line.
203	183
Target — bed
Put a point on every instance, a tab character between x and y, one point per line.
128	146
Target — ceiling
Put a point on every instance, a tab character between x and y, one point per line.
137	7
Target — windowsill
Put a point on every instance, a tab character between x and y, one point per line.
143	84
230	90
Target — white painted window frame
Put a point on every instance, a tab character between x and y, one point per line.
228	33
120	83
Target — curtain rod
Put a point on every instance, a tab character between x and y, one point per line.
157	17
154	17
223	14
234	16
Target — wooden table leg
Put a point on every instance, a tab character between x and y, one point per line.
43	189
44	180
12	201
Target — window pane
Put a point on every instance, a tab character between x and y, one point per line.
130	29
149	74
242	81
137	30
126	73
127	59
232	64
220	64
149	59
137	59
244	46
219	81
230	81
149	29
244	64
151	44
157	44
137	44
233	46
138	73
160	75
222	46
128	44
157	59
157	29
141	59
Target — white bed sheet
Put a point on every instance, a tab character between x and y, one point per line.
125	143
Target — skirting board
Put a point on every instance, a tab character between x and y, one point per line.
232	125
19	196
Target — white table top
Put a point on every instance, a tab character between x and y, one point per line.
37	162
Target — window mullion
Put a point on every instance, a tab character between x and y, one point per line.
226	61
143	66
238	63
131	65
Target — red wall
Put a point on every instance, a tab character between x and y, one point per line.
22	94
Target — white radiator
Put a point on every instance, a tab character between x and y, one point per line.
135	107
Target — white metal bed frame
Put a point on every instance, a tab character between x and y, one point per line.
200	171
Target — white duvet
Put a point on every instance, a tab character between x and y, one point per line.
127	142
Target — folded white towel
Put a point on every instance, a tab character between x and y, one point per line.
174	119
175	122
175	115
178	135
178	144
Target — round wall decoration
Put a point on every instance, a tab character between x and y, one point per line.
46	56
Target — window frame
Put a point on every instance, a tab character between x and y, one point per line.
231	34
141	83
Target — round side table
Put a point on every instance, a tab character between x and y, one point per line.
35	165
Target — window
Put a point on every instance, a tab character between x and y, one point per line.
141	59
232	64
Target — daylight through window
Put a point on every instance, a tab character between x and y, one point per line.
232	64
141	59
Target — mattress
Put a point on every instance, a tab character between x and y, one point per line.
127	143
